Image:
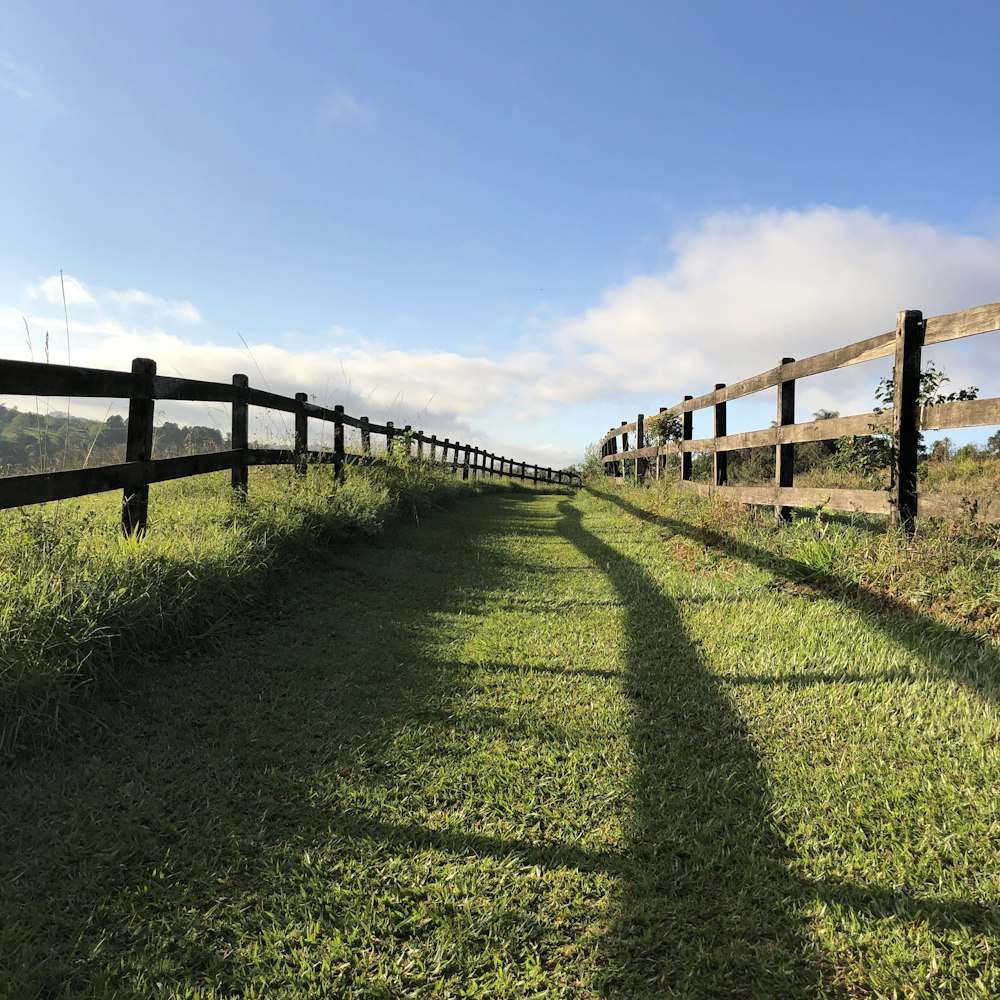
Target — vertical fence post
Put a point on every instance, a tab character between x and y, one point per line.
454	458
301	434
465	463
339	456
240	435
389	432
139	445
640	443
784	454
420	446
434	443
906	418
661	458
721	460
615	465
366	438
624	448
687	433
408	440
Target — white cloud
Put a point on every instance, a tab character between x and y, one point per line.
748	288
183	312
343	107
27	85
744	289
51	290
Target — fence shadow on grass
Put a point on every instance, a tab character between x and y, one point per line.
709	890
709	908
949	649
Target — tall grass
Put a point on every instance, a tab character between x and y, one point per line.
81	606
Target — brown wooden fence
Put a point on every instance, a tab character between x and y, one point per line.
904	420
142	387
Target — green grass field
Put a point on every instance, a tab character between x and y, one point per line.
621	744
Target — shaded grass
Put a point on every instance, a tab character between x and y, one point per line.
536	746
81	607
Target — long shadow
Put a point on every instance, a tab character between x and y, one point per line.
248	785
709	908
710	905
947	648
116	852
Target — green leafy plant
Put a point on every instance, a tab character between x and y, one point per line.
871	456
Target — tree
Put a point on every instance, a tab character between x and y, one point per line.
871	456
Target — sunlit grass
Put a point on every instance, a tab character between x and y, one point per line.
623	744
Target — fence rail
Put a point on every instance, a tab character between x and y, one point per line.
903	421
142	387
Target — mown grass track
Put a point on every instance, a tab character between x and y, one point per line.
525	750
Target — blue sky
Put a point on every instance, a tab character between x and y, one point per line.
512	223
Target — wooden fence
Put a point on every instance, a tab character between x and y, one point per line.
903	421
142	387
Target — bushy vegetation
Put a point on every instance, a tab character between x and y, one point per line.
81	606
43	441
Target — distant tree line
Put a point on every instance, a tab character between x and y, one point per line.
36	441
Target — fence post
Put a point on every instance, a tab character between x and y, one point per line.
301	434
624	448
906	418
420	446
338	441
240	435
366	437
721	460
408	440
454	458
784	454
640	442
687	428
465	463
139	445
661	459
389	432
614	466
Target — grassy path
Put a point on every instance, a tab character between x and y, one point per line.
535	747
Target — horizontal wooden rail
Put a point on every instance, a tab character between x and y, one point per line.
937	330
902	423
23	491
142	387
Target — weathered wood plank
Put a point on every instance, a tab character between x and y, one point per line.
33	378
861	501
22	491
170	387
965	413
967	323
906	417
240	434
960	507
272	401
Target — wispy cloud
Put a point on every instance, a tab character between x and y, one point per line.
743	289
131	301
344	108
27	85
